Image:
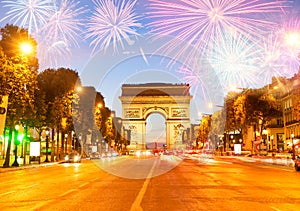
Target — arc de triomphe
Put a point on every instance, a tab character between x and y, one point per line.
170	100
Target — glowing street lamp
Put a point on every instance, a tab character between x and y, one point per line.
26	48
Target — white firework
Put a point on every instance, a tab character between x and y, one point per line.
236	60
65	23
61	32
272	59
112	22
30	14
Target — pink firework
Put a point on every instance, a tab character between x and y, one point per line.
197	22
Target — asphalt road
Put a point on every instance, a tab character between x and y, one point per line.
160	183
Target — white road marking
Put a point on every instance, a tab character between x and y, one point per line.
30	186
42	204
67	192
84	184
136	206
6	193
274	208
93	180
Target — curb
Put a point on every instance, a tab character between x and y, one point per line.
21	167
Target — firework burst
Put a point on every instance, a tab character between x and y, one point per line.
61	32
112	22
272	59
236	60
30	14
65	22
199	22
290	37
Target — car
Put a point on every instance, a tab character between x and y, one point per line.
95	155
297	163
131	152
73	157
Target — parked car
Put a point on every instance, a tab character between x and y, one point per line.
297	163
73	157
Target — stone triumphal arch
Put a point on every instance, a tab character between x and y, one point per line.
170	100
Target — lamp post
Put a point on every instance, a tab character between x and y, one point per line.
293	146
47	144
272	144
16	142
66	143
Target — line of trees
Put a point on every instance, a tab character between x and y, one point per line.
250	108
46	99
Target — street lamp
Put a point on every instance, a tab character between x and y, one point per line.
16	142
66	137
293	146
272	144
47	144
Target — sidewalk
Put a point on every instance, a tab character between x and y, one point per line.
21	166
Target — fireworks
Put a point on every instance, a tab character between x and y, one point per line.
64	23
272	59
30	14
62	31
290	39
238	38
111	23
198	22
236	60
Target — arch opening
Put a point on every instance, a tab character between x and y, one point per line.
155	131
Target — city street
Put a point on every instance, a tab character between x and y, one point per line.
156	183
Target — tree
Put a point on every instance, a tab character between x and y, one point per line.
58	87
260	108
18	81
13	37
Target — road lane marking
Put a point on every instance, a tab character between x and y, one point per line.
6	193
93	180
67	192
30	186
136	206
84	184
40	205
274	208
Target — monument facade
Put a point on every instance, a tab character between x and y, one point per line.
172	101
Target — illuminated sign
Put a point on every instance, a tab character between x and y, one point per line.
35	148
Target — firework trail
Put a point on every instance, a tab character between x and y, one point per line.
198	22
112	22
30	14
205	84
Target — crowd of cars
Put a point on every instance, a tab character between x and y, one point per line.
75	157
